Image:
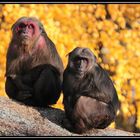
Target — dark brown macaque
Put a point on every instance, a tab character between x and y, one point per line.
90	99
34	69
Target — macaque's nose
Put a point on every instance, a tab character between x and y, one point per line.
25	30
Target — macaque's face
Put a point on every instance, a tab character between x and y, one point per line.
26	30
80	63
81	60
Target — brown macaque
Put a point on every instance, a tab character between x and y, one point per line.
90	98
34	69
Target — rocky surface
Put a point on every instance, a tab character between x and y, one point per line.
17	119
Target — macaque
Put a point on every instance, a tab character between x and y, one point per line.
34	69
90	98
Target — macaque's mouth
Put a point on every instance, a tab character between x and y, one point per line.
24	36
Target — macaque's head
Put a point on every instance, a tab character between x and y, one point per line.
27	30
81	60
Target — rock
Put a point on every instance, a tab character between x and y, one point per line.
16	119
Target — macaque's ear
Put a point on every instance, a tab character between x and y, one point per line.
41	27
95	59
69	54
13	26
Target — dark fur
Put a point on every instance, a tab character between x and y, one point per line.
90	99
33	71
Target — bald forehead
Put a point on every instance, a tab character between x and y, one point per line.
28	20
82	51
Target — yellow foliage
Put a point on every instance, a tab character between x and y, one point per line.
117	26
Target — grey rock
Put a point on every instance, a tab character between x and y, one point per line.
16	119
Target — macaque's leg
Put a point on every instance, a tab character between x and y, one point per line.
47	88
10	88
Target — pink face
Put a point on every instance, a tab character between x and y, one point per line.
27	29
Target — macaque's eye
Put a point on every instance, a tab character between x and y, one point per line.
79	59
30	26
22	25
80	62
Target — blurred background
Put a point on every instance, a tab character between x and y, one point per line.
111	31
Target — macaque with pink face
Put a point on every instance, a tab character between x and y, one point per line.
33	66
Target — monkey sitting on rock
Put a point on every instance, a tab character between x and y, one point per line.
34	68
90	99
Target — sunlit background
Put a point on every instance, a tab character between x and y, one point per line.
112	31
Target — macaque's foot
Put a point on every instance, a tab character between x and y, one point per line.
66	124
